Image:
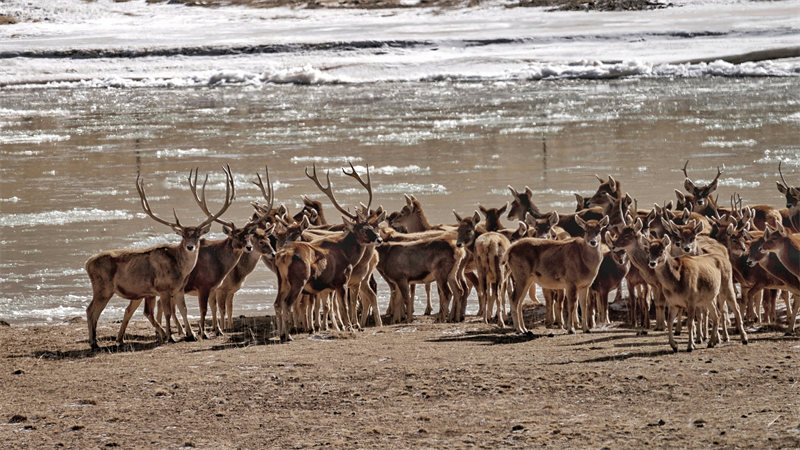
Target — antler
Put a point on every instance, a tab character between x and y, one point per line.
230	194
146	206
269	196
367	185
785	184
328	192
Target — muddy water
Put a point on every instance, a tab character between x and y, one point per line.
69	158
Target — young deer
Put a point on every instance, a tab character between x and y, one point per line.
689	282
144	274
571	265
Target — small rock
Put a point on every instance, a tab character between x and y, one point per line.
18	418
18	372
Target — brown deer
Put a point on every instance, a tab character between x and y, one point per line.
689	282
221	297
571	265
136	274
613	269
785	246
432	257
770	262
216	258
325	265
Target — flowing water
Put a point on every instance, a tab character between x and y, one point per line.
69	158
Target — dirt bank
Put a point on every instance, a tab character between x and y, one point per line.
422	385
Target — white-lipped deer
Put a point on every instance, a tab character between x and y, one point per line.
215	258
571	265
790	215
222	296
325	265
137	274
689	282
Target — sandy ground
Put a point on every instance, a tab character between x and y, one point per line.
422	385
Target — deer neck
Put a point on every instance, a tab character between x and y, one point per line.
669	273
186	259
224	253
352	249
789	255
591	256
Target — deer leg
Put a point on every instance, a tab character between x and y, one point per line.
149	308
128	314
572	302
517	295
660	305
771	298
583	301
712	315
202	300
229	309
690	319
214	302
96	306
428	302
679	316
179	300
672	313
485	300
549	308
726	290
791	313
371	301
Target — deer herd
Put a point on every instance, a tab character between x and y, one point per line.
685	260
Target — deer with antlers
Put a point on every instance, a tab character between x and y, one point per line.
216	258
136	274
790	215
325	265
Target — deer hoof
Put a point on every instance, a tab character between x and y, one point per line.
190	337
689	349
674	349
744	342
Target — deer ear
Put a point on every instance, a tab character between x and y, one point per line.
476	218
226	230
730	230
668	205
408	200
514	192
681	197
580	200
382	216
666	241
503	209
522	228
781	188
304	224
529	219
269	229
581	223
205	229
604	221
689	186
638	226
483	210
528	192
607	238
554	219
612	184
699	227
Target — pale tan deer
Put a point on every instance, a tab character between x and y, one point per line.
690	282
325	265
137	274
571	265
